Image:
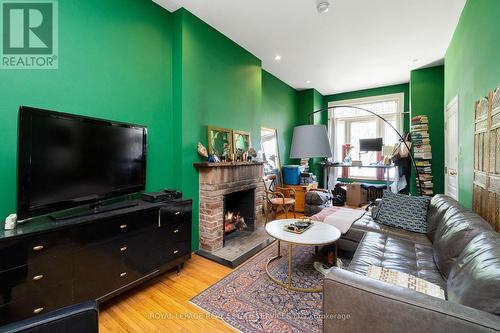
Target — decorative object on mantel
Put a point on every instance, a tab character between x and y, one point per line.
220	142
202	151
252	153
241	144
213	159
201	165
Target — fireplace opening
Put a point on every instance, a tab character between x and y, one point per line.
239	212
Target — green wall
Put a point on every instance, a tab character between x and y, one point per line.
427	98
115	62
279	110
136	62
471	71
219	83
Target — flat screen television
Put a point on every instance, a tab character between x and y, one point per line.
370	144
67	160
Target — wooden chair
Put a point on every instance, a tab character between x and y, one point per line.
278	197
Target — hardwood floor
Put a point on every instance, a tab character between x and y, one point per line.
162	305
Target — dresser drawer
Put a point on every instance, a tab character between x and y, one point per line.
95	281
176	213
40	276
19	252
121	225
34	304
160	237
180	248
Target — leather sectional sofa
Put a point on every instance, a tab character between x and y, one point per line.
460	253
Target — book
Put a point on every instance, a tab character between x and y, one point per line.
424	156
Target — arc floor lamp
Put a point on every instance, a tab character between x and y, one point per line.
311	141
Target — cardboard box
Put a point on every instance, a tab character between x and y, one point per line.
356	195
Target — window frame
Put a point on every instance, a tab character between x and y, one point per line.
398	115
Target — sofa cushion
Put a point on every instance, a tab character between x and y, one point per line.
474	278
438	206
404	211
367	223
457	228
395	253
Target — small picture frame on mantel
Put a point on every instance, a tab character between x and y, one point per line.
220	142
241	142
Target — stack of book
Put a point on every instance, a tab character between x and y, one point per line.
422	153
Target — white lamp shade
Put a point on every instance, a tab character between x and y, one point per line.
310	141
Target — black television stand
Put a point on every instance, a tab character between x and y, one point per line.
97	210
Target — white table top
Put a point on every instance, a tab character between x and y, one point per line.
319	234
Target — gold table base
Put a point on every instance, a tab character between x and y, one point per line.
289	285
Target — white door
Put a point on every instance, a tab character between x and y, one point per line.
451	148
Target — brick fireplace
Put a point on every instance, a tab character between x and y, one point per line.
223	184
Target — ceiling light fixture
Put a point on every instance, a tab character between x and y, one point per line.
322	6
277	57
308	81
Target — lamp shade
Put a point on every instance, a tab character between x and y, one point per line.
310	141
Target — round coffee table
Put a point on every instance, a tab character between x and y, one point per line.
318	234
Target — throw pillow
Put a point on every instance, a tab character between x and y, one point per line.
405	280
404	212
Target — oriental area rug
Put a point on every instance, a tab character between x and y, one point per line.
250	301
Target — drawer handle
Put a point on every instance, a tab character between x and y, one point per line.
37	277
123	274
177	213
37	310
38	248
176	231
176	251
123	249
123	226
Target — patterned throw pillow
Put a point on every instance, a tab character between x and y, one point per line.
404	212
405	280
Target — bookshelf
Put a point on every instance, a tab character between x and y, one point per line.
422	153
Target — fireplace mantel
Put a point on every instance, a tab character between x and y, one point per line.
224	164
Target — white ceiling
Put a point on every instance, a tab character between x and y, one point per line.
357	44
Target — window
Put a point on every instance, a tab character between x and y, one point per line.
348	126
